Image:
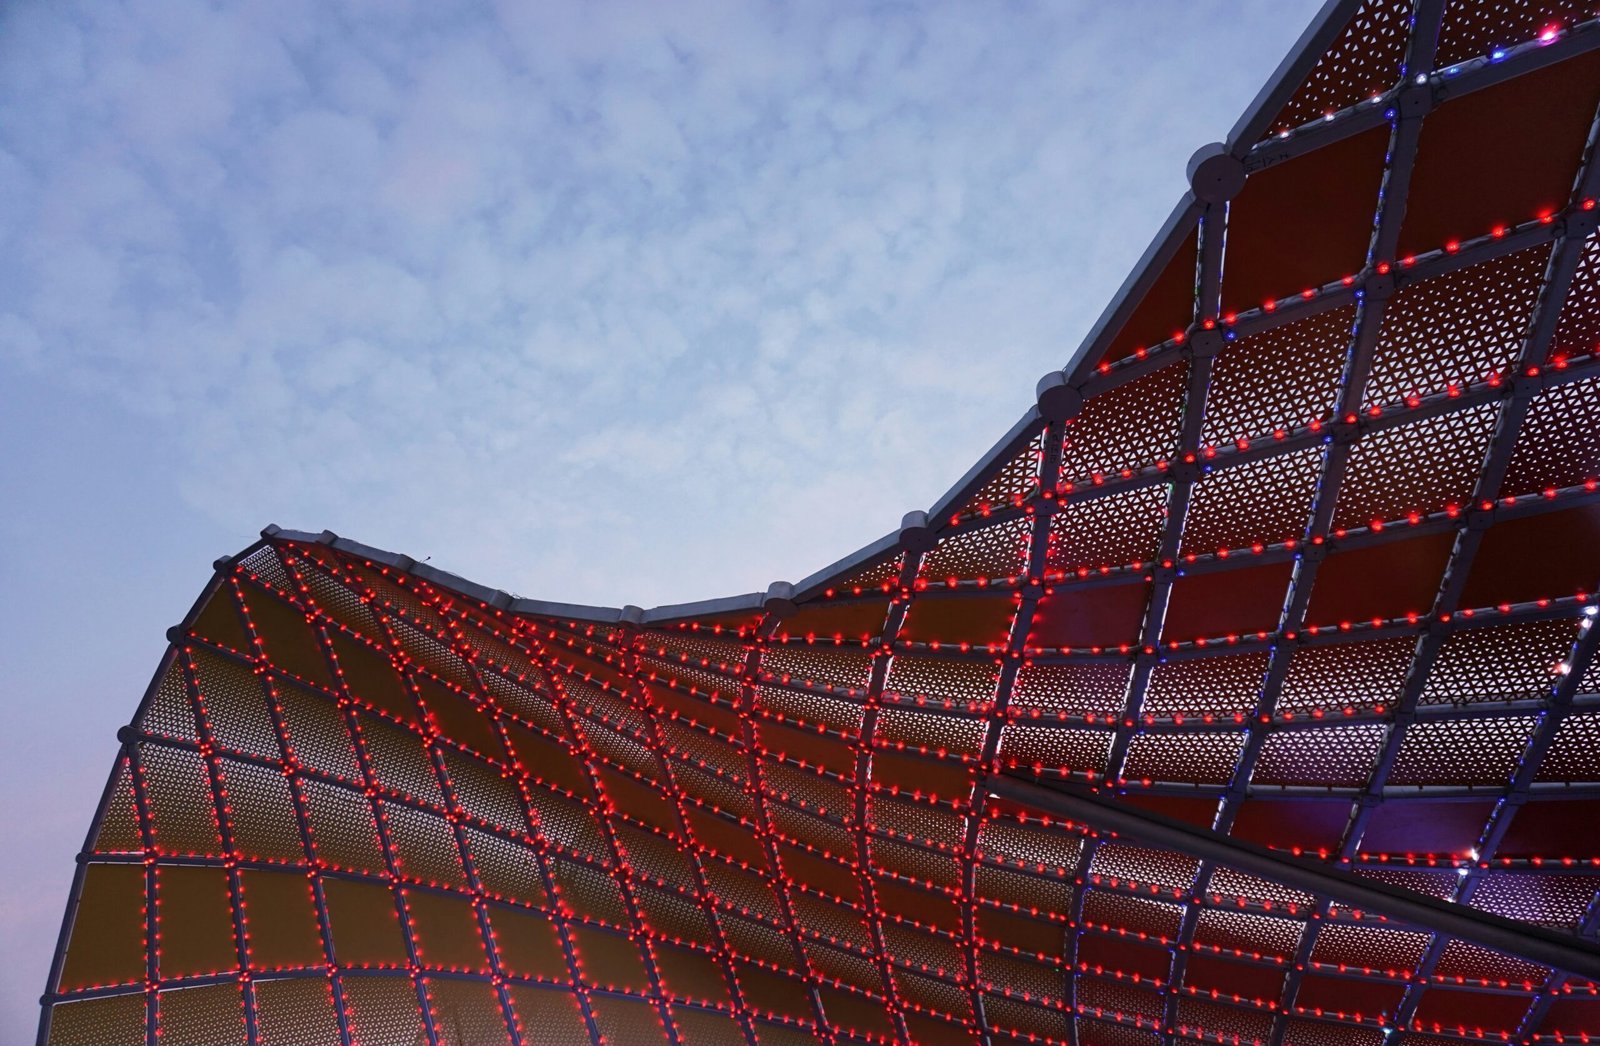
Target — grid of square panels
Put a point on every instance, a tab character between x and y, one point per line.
1316	572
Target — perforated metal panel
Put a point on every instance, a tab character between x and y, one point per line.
1316	577
1363	62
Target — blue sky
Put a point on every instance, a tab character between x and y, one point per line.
602	303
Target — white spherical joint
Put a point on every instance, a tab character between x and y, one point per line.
1058	401
779	602
915	534
1215	174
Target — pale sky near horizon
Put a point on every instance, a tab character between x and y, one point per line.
608	303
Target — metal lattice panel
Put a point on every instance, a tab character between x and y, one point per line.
1338	676
1457	329
1331	755
1473	29
1364	61
1425	467
1311	582
1558	447
1129	427
1222	687
1252	505
1111	531
1506	663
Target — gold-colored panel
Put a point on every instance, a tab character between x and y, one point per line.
727	838
383	1011
546	760
371	677
196	924
170	712
855	1013
117	1021
343	828
261	812
854	620
209	1016
466	1013
779	1035
178	790
287	636
610	960
460	720
528	944
698	1028
107	942
424	846
625	1020
691	975
296	1012
550	1017
366	930
772	993
281	919
219	621
506	869
446	930
119	825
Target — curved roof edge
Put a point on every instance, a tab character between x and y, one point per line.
1169	236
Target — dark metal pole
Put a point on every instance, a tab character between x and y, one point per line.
1534	943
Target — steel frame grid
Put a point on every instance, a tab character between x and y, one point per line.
225	828
744	600
451	804
878	674
1560	268
1049	475
771	618
614	852
576	725
239	604
1500	455
1559	272
408	928
1400	792
573	722
192	747
627	646
302	817
1086	812
623	642
1212	224
756	791
1371	307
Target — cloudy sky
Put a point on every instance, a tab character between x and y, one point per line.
602	303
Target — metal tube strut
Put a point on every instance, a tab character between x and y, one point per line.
1534	943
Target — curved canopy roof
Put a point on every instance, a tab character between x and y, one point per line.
1244	693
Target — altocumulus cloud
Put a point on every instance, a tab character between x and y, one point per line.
588	283
599	302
